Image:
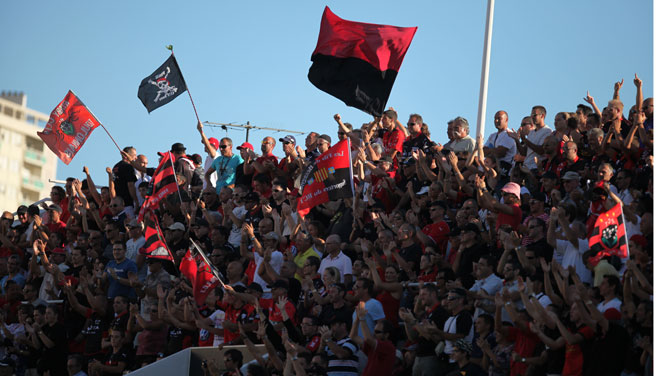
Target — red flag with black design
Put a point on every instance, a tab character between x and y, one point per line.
68	127
205	282
189	267
155	243
608	237
163	183
329	178
358	62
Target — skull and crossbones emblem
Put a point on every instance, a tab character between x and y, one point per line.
164	86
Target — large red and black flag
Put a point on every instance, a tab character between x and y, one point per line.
329	178
189	267
358	62
162	86
206	281
155	243
68	127
163	183
608	237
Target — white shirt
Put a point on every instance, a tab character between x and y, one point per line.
503	139
133	246
613	303
537	137
217	318
341	262
574	256
491	285
213	176
276	262
235	237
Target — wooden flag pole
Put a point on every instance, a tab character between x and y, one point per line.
109	135
170	47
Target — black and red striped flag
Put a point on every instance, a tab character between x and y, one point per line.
329	178
155	243
608	237
358	62
163	183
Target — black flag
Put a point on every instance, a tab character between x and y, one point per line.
162	86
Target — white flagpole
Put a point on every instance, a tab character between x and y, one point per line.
622	214
207	261
486	59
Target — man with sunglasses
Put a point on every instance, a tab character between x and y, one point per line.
225	165
416	140
124	178
462	143
267	162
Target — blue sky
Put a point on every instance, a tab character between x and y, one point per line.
248	61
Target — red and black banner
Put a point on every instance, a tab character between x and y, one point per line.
68	127
155	243
163	183
162	86
206	281
329	178
608	237
189	267
358	62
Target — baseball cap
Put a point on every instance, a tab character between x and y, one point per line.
214	142
245	145
271	235
22	210
326	138
252	196
55	207
176	226
463	345
178	147
571	175
288	140
255	287
549	175
279	283
58	251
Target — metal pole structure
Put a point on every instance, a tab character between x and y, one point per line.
486	60
248	127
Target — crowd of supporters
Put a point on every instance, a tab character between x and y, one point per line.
469	257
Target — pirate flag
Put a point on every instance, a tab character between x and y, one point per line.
162	86
358	62
68	127
608	237
329	178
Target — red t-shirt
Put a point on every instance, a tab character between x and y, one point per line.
237	316
394	140
380	361
513	220
439	233
524	345
574	355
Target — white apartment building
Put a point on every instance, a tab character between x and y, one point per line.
26	163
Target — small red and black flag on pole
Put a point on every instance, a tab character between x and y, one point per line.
358	62
163	183
162	86
329	178
608	237
155	243
69	126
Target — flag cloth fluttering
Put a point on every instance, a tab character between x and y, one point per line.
608	237
162	86
68	127
163	183
155	243
189	267
358	62
329	178
206	281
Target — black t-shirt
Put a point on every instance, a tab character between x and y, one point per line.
608	353
468	256
93	332
541	249
438	315
123	355
241	178
55	358
421	142
412	253
123	173
329	313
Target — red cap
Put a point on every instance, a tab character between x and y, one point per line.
214	142
246	145
59	251
612	314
